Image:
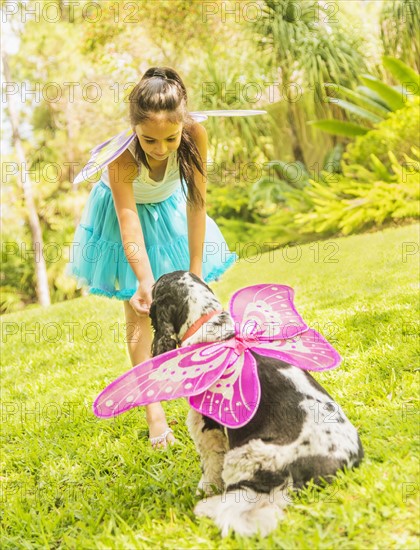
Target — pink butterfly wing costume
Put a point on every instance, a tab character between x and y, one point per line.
220	379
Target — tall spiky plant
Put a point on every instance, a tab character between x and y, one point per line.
308	46
221	83
373	101
399	22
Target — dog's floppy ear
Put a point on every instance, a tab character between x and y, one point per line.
164	338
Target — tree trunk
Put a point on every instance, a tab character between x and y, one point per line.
42	289
296	147
286	81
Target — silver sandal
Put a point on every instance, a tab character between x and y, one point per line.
155	441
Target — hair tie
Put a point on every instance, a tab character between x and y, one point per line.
159	73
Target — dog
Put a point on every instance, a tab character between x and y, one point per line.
298	433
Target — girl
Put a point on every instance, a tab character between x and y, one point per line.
147	216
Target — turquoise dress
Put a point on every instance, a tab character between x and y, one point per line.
98	261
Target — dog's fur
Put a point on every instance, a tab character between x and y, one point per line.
299	433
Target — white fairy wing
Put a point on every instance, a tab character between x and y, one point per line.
103	154
199	116
106	152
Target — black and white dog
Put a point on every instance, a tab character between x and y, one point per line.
298	433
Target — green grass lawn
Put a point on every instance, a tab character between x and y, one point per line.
71	480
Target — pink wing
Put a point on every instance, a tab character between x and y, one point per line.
178	373
308	351
266	311
233	399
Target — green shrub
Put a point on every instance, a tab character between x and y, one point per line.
229	201
379	184
398	133
362	197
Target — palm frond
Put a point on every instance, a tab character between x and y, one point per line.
402	73
338	127
355	109
390	96
360	99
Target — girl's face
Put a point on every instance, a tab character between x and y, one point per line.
158	136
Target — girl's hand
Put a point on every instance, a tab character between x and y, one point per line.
196	268
198	273
142	298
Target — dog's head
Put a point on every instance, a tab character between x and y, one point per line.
179	300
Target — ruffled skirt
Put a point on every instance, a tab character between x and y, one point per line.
98	260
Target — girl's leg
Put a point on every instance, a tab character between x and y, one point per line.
139	342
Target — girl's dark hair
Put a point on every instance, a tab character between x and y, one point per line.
161	89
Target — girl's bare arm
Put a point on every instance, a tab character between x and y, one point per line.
196	215
122	172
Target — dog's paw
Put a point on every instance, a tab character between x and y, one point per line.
209	488
207	507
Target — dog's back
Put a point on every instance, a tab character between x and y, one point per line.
313	436
298	433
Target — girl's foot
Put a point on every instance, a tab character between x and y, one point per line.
161	440
160	435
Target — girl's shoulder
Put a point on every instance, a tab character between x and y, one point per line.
199	135
198	131
132	148
127	156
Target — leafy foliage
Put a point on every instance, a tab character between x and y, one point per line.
403	73
308	47
399	22
379	184
232	82
301	45
398	133
363	196
374	101
280	177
